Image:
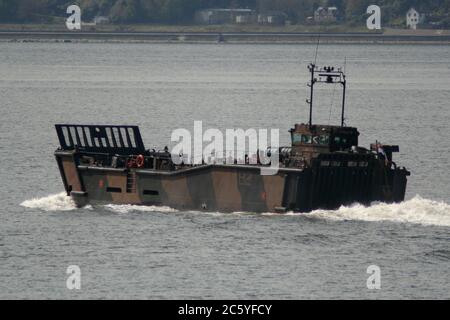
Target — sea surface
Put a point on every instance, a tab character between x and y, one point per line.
398	94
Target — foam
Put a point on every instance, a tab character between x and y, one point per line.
54	202
417	210
127	208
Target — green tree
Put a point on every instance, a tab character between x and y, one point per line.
125	11
182	11
31	10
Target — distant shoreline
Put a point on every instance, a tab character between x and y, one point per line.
225	37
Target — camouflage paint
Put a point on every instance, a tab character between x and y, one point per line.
236	188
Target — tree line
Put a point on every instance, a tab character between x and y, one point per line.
182	11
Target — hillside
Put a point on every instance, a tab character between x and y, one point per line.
182	11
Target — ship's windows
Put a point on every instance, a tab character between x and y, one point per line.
151	192
316	139
340	140
296	138
306	139
363	164
325	140
114	190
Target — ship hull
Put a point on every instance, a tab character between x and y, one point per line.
231	188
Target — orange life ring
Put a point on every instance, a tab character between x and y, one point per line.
140	161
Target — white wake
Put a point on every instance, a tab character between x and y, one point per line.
126	208
417	210
54	202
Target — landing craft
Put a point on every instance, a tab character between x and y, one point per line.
323	168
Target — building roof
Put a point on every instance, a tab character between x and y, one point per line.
328	10
412	10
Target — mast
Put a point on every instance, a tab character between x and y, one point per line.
327	75
344	85
311	68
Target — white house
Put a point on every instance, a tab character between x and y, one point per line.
323	14
224	16
273	18
412	18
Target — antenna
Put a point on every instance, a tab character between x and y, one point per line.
343	95
317	49
332	102
312	69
